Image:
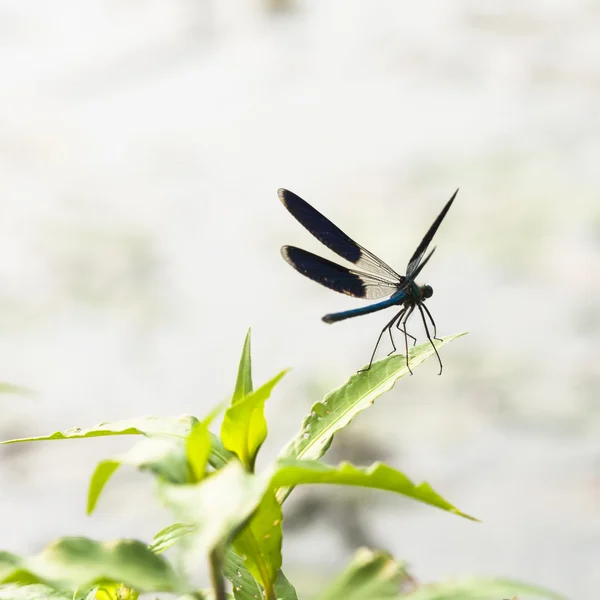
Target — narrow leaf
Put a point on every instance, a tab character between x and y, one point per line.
157	426
378	476
198	450
169	536
244	427
340	406
198	445
167	426
104	471
243	385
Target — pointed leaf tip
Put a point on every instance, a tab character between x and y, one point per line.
243	384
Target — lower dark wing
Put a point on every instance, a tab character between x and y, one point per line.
337	277
416	258
333	237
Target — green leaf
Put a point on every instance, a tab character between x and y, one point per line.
198	450
340	406
104	471
8	563
169	536
219	456
71	563
260	541
39	592
164	458
480	588
167	426
243	385
289	473
155	426
217	507
284	589
198	445
244	586
244	427
371	574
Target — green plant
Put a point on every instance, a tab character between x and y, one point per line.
230	515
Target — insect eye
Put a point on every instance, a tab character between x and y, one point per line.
427	291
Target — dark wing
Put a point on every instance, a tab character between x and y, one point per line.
416	258
334	238
416	272
336	277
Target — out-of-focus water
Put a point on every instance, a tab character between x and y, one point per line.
141	147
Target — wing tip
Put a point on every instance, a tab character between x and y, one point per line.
288	255
283	195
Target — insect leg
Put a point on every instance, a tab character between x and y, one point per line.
388	326
432	322
403	321
399	317
403	330
429	337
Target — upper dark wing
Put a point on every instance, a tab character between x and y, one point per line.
334	238
336	277
416	258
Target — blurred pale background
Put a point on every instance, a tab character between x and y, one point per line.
141	146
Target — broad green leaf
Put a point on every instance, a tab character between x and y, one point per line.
75	563
217	507
372	574
340	406
244	586
289	473
198	445
480	588
243	385
167	426
244	427
164	458
260	541
169	536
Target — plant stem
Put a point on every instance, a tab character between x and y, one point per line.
216	573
